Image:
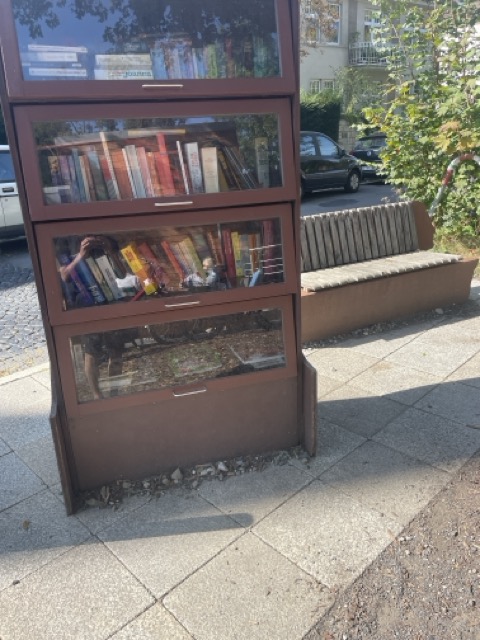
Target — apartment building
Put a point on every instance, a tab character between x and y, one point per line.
347	40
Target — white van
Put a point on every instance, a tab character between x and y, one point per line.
11	221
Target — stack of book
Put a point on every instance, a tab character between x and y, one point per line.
54	62
123	66
148	164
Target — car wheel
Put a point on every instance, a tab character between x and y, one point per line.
353	182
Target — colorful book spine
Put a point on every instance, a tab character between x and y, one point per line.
74	181
153	174
99	277
121	174
136	264
210	169
112	179
55	173
237	254
101	192
110	277
89	280
173	260
78	172
194	166
231	179
229	256
215	246
201	245
132	158
129	173
145	172
83	171
262	163
183	167
157	269
189	250
181	258
84	297
163	166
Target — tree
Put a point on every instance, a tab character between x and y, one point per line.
434	110
318	24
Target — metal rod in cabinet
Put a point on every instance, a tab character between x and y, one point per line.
173	204
189	393
183	304
162	86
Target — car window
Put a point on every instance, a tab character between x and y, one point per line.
307	145
327	147
7	173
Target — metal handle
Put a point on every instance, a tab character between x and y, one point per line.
7	190
182	304
162	86
173	204
189	393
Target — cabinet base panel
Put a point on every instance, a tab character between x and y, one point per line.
151	439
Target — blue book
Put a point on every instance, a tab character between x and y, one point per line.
89	281
83	297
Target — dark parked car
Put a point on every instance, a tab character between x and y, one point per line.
368	150
325	165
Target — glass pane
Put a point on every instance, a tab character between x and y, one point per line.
106	268
7	174
145	358
143	40
84	161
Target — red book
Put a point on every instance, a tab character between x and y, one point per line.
157	187
229	256
154	264
162	161
171	256
121	173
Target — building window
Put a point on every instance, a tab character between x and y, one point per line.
330	33
317	85
371	23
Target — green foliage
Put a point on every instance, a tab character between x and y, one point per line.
434	114
320	112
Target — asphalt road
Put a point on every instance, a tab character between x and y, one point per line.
22	339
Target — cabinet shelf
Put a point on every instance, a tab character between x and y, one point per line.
118	159
151	263
146	50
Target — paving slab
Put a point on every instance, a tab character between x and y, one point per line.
332	363
436	357
326	385
155	624
40	457
21	426
386	480
4	448
33	533
169	538
399	383
453	400
456	329
43	377
327	533
468	373
86	594
358	410
21	393
250	497
441	443
333	444
249	592
17	481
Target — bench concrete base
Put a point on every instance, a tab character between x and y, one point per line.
341	309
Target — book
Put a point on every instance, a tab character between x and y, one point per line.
49	56
156	267
111	181
132	160
201	244
100	278
239	168
33	46
55	173
145	172
153	174
123	60
181	258
89	281
194	166
215	246
121	173
173	260
262	164
129	173
134	261
230	177
229	256
210	57
88	178
190	252
237	252
101	192
82	161
159	64
82	188
58	194
123	74
57	72
73	179
109	275
210	169
183	167
162	161
83	296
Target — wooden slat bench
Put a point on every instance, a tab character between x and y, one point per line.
367	265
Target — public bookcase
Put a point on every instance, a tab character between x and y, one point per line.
156	148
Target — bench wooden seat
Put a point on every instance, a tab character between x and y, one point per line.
366	265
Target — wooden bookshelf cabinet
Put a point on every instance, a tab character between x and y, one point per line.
158	170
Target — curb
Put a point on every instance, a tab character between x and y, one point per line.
24	374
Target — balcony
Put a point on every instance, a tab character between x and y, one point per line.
366	54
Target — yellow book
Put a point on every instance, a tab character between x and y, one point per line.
237	253
137	266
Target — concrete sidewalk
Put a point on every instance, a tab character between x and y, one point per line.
258	556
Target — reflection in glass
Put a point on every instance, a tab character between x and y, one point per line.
105	268
121	159
145	358
144	40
